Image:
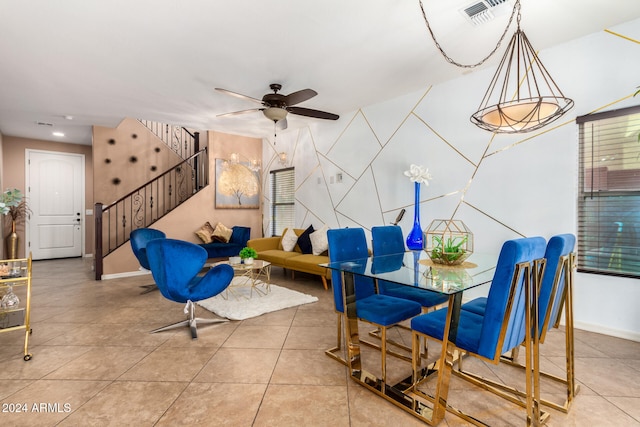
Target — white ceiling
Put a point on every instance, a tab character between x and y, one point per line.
100	61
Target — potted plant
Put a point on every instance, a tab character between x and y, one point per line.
14	207
248	254
448	250
448	241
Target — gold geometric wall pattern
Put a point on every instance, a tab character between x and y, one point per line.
474	173
355	148
362	210
508	186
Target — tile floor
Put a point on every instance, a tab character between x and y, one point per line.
96	364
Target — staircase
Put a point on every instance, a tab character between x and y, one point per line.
154	199
179	139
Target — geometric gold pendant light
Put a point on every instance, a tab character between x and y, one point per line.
522	96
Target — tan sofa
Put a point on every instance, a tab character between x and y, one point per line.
270	249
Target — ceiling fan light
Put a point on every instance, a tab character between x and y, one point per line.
275	113
282	158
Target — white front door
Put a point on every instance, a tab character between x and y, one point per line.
55	191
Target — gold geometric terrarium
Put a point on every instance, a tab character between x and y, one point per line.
448	241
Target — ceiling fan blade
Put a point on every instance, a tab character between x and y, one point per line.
313	113
239	95
236	113
299	96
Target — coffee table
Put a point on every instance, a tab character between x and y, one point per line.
257	275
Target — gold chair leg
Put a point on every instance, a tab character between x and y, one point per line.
333	352
572	388
377	333
383	354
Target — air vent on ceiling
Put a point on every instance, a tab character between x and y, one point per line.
480	12
44	124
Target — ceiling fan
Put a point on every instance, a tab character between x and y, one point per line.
276	106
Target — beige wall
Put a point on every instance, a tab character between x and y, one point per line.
126	157
184	221
179	224
13	175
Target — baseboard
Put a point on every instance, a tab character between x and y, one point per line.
141	272
618	333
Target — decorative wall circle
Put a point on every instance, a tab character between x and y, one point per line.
116	181
133	159
112	141
107	161
154	168
134	136
157	149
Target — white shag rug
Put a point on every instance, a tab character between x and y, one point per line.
239	303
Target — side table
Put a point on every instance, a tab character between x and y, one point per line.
257	276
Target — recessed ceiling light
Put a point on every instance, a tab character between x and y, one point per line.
58	134
68	117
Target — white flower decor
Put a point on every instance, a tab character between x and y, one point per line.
418	174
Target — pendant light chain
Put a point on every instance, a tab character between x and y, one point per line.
516	8
275	132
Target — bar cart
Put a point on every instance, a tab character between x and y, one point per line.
15	275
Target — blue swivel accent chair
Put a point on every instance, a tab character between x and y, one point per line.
388	240
554	295
502	325
175	265
138	239
382	311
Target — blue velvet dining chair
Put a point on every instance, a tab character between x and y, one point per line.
501	327
138	239
552	286
387	240
175	265
554	295
382	311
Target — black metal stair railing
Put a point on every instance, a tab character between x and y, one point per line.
147	204
179	139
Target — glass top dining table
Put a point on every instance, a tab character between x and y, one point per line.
413	269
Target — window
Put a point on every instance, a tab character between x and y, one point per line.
609	193
282	200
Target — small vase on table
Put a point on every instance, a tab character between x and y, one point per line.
415	240
418	175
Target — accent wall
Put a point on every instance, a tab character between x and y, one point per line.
349	173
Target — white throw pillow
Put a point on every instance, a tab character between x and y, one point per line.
319	241
289	240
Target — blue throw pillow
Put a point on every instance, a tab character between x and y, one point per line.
304	241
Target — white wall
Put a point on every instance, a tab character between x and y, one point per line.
502	187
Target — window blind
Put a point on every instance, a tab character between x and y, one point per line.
282	200
609	193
